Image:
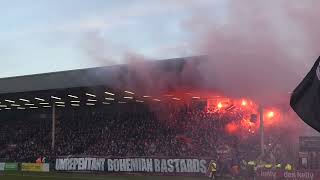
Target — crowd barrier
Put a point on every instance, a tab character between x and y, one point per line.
152	165
293	175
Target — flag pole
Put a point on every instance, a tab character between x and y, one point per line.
261	130
53	127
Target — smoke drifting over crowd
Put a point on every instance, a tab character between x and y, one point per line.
255	49
260	49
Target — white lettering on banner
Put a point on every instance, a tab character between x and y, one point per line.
129	165
176	163
164	166
2	166
189	165
170	165
80	164
133	165
144	165
157	165
183	165
196	165
203	167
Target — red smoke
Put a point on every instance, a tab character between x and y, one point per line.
260	49
256	49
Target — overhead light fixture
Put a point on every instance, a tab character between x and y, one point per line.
110	99
7	108
33	107
72	96
39	99
25	100
75	101
105	103
15	105
75	104
92	100
90	104
122	102
156	99
146	96
195	97
128	97
28	104
109	93
60	105
92	95
54	97
139	101
21	108
47	106
176	99
10	101
59	102
45	103
129	92
2	105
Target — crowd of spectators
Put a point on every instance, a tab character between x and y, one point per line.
124	130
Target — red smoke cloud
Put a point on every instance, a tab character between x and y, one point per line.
260	49
256	49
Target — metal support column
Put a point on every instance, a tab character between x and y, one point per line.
261	130
53	126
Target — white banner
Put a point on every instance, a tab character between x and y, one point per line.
147	165
80	164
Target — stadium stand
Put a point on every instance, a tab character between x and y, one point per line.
94	114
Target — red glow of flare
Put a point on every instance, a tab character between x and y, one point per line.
231	128
244	103
247	124
272	117
270	114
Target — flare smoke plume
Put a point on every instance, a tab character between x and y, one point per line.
257	49
262	49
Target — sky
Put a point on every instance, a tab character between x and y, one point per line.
38	36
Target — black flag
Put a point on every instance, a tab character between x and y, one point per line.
305	99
